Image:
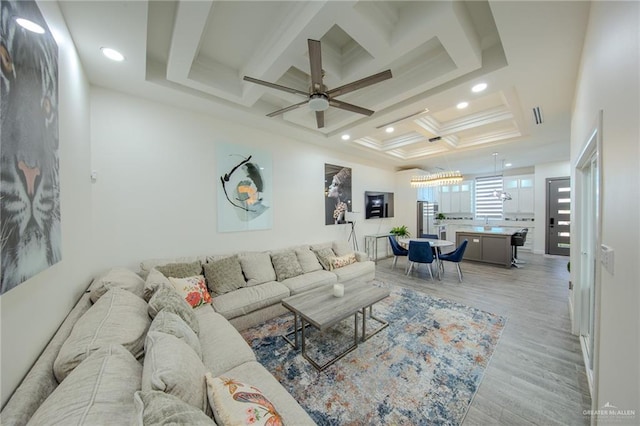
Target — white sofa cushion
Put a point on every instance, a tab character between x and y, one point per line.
155	280
257	267
170	323
170	300
99	391
308	260
360	270
118	317
310	281
162	409
222	346
116	277
171	366
249	299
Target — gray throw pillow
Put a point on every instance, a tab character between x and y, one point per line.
224	275
286	265
172	301
181	270
163	409
324	256
170	323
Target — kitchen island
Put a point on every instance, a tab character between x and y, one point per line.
486	244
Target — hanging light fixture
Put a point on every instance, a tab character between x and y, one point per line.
502	195
437	179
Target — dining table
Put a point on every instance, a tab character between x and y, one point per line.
438	244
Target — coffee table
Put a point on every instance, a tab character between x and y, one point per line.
322	310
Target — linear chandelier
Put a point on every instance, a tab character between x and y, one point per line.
437	179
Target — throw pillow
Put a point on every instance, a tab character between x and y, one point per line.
170	323
341	248
118	317
257	267
171	366
155	281
98	391
117	277
286	265
341	261
324	255
169	299
193	289
308	260
181	270
224	275
236	403
163	409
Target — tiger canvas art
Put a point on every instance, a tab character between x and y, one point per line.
30	235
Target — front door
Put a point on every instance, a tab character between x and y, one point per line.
558	216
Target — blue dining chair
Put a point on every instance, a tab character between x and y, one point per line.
397	250
432	236
456	257
420	252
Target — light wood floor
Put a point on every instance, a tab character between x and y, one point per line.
537	374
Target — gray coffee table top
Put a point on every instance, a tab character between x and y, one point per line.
322	309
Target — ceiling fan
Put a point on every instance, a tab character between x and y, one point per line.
318	97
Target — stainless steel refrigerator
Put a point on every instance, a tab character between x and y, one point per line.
427	212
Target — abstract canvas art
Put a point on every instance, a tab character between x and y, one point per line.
30	236
337	190
244	188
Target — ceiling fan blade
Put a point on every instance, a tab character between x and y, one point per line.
367	81
320	119
275	86
287	109
315	63
349	107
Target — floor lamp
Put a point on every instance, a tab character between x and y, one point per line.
351	220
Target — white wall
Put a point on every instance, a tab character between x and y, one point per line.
609	81
541	174
32	311
155	195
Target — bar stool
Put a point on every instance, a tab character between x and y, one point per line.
517	240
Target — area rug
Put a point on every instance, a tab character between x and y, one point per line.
424	368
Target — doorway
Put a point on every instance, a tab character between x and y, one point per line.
558	239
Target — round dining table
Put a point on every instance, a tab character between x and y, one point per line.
438	244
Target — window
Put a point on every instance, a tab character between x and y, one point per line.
487	204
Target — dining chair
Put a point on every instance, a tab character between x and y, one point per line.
397	249
420	252
432	236
456	257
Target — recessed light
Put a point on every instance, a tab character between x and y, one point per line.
479	87
112	54
346	137
462	105
30	25
389	129
508	165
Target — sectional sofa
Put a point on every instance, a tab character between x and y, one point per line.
162	346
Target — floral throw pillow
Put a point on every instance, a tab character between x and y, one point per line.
193	289
340	261
238	403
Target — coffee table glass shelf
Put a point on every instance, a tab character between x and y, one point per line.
322	310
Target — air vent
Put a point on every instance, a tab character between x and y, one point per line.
436	139
537	115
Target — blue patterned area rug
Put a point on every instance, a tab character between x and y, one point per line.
423	369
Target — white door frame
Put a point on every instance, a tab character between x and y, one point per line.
585	253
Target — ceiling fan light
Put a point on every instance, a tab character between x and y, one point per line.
318	103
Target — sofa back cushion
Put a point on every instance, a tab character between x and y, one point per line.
116	277
286	265
170	323
118	317
171	366
308	260
98	391
257	267
155	281
181	269
341	248
169	299
224	275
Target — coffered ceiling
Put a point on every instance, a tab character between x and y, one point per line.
196	53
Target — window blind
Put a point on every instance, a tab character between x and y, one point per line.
488	205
